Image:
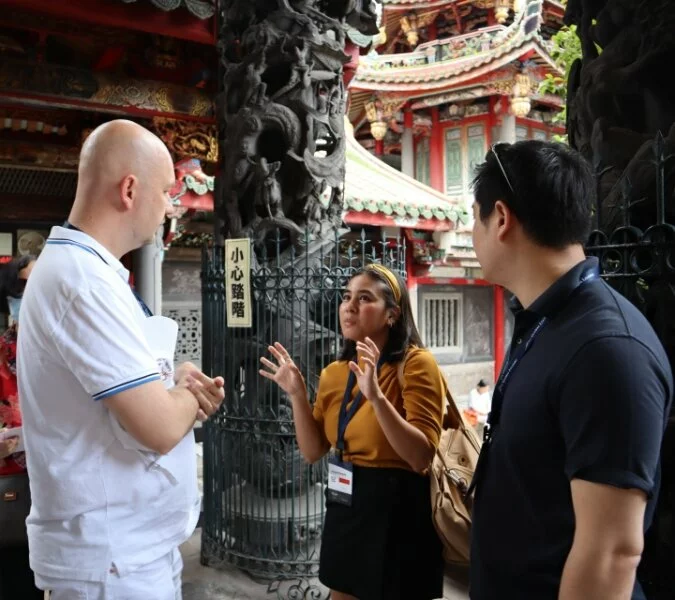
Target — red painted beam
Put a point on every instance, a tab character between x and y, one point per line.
499	329
381	220
178	24
51	102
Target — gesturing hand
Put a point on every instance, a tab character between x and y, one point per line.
369	353
285	373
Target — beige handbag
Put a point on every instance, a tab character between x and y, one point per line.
450	475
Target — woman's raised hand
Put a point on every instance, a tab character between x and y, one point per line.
369	353
285	373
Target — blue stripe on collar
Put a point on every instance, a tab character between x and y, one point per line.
67	242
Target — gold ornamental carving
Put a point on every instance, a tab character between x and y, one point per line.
502	87
187	138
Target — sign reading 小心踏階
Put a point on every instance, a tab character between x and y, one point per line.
238	282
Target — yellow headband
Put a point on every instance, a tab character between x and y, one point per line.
389	276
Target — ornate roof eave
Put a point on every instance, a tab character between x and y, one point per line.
438	77
468	53
68	87
406	5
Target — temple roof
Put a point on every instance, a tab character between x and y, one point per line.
377	194
479	58
445	63
374	193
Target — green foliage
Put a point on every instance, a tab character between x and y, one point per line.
565	49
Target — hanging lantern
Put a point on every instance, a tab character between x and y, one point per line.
502	8
376	117
409	26
521	103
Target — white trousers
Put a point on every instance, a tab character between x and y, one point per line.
160	580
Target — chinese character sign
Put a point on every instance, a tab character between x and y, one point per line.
238	282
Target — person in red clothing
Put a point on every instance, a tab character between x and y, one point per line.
10	461
16	578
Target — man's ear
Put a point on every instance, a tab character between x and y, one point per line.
128	191
504	218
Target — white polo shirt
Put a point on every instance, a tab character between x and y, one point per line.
100	499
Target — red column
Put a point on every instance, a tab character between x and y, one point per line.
432	31
379	147
408	118
437	180
411	280
499	328
349	69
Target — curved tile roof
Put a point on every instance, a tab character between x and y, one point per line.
472	55
372	186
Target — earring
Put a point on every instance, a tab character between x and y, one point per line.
391	322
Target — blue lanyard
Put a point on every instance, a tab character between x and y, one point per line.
513	360
509	367
144	307
346	415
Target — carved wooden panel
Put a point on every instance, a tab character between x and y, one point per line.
188	315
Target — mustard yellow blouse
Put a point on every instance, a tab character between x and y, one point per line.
420	402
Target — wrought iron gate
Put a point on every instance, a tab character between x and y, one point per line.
263	506
635	243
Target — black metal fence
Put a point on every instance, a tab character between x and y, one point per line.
263	506
635	243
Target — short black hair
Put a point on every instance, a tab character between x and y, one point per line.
9	279
403	332
553	193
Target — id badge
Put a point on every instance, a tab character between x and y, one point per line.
340	481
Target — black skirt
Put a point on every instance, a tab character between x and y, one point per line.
384	546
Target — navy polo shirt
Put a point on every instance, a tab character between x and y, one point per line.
589	400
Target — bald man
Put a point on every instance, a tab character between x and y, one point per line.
107	423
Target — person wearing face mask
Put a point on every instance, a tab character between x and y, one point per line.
378	411
16	578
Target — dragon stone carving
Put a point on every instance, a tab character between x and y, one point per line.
619	98
282	113
282	157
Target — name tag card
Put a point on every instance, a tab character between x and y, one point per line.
340	481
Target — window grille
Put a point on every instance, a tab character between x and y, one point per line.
441	321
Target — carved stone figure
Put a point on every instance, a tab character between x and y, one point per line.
282	113
619	98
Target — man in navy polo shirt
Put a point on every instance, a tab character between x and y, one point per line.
569	474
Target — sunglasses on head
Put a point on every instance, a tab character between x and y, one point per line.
493	149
